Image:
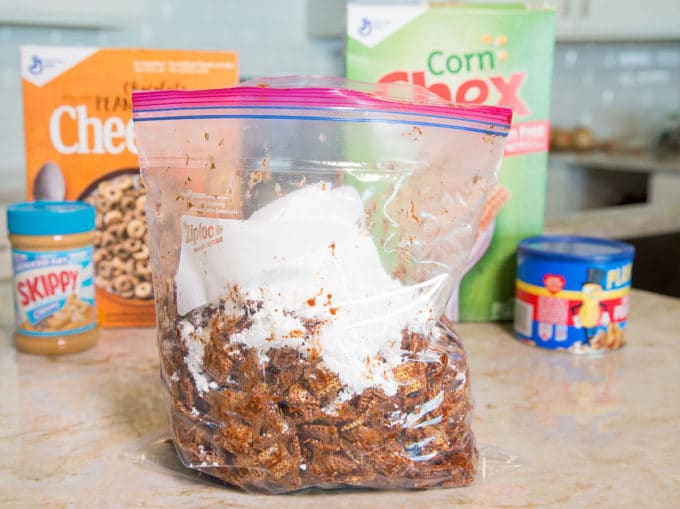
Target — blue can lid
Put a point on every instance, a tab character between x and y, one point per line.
50	218
567	247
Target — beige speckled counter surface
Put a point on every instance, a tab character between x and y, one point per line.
79	431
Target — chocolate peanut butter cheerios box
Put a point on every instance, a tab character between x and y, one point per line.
80	145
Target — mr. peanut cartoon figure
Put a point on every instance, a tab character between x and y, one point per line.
591	313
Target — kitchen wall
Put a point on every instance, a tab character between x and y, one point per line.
625	93
624	90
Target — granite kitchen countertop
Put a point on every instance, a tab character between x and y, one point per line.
554	430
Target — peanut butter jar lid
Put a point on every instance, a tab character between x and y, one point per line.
576	248
50	218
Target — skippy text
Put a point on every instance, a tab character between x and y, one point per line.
36	287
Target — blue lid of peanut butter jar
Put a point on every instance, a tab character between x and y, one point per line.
575	247
572	293
50	218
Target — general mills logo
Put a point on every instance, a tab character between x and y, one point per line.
365	28
36	66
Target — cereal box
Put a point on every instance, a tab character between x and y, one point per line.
496	54
80	145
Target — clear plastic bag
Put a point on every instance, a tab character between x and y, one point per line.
305	236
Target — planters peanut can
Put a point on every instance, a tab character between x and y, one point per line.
572	293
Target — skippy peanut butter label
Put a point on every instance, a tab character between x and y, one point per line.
80	145
55	291
492	54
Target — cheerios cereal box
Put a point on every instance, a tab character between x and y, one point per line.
496	54
80	145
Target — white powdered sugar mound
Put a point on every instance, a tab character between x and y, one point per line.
308	256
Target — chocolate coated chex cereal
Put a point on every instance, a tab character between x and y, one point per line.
274	422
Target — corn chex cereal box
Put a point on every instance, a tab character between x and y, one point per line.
496	54
80	145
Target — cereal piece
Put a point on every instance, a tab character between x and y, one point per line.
299	400
343	465
141	254
225	401
143	290
413	343
278	461
113	217
133	245
252	406
121	252
285	366
102	282
330	467
251	371
115	230
140	202
369	399
273	422
124	183
124	284
136	229
104	186
390	461
324	433
100	255
102	204
113	194
237	437
450	468
217	363
143	267
362	434
127	203
124	266
129	215
105	269
324	384
411	376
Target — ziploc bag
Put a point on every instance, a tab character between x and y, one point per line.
305	237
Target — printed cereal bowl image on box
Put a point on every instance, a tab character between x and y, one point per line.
302	264
121	253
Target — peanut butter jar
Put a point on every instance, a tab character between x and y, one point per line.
54	294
